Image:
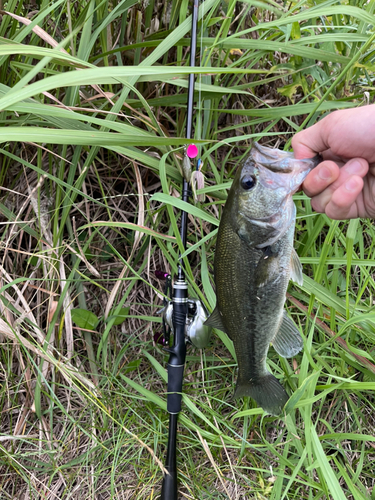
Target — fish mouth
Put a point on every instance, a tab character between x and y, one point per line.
279	161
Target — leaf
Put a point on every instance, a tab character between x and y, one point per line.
10	216
357	495
297	395
186	207
162	403
84	319
326	10
285	48
264	6
158	367
200	243
88	137
149	395
247	413
296	31
110	75
131	226
290	110
120	317
289	90
131	366
325	468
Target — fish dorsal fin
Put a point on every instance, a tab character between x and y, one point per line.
296	269
216	321
288	341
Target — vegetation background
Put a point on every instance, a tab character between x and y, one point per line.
93	108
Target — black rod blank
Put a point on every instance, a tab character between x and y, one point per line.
176	362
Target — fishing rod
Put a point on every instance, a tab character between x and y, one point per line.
182	317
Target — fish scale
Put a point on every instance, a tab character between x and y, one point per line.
254	260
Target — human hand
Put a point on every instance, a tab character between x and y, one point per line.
343	185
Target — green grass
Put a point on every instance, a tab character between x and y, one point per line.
93	109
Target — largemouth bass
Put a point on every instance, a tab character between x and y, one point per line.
254	260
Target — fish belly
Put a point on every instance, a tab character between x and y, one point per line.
251	305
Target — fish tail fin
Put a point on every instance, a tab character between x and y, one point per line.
267	392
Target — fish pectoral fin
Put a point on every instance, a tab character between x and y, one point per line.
244	234
215	321
288	341
296	269
267	268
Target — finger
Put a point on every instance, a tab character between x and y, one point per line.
343	201
320	178
357	167
328	155
310	141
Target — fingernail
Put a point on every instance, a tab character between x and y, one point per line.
351	185
325	173
354	167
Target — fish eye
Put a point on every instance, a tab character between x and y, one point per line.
248	182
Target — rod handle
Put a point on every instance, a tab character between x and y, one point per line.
175	378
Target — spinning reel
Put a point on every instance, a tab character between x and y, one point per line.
196	331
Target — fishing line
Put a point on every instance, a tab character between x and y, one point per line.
200	107
183	317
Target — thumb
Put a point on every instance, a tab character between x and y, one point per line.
311	141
